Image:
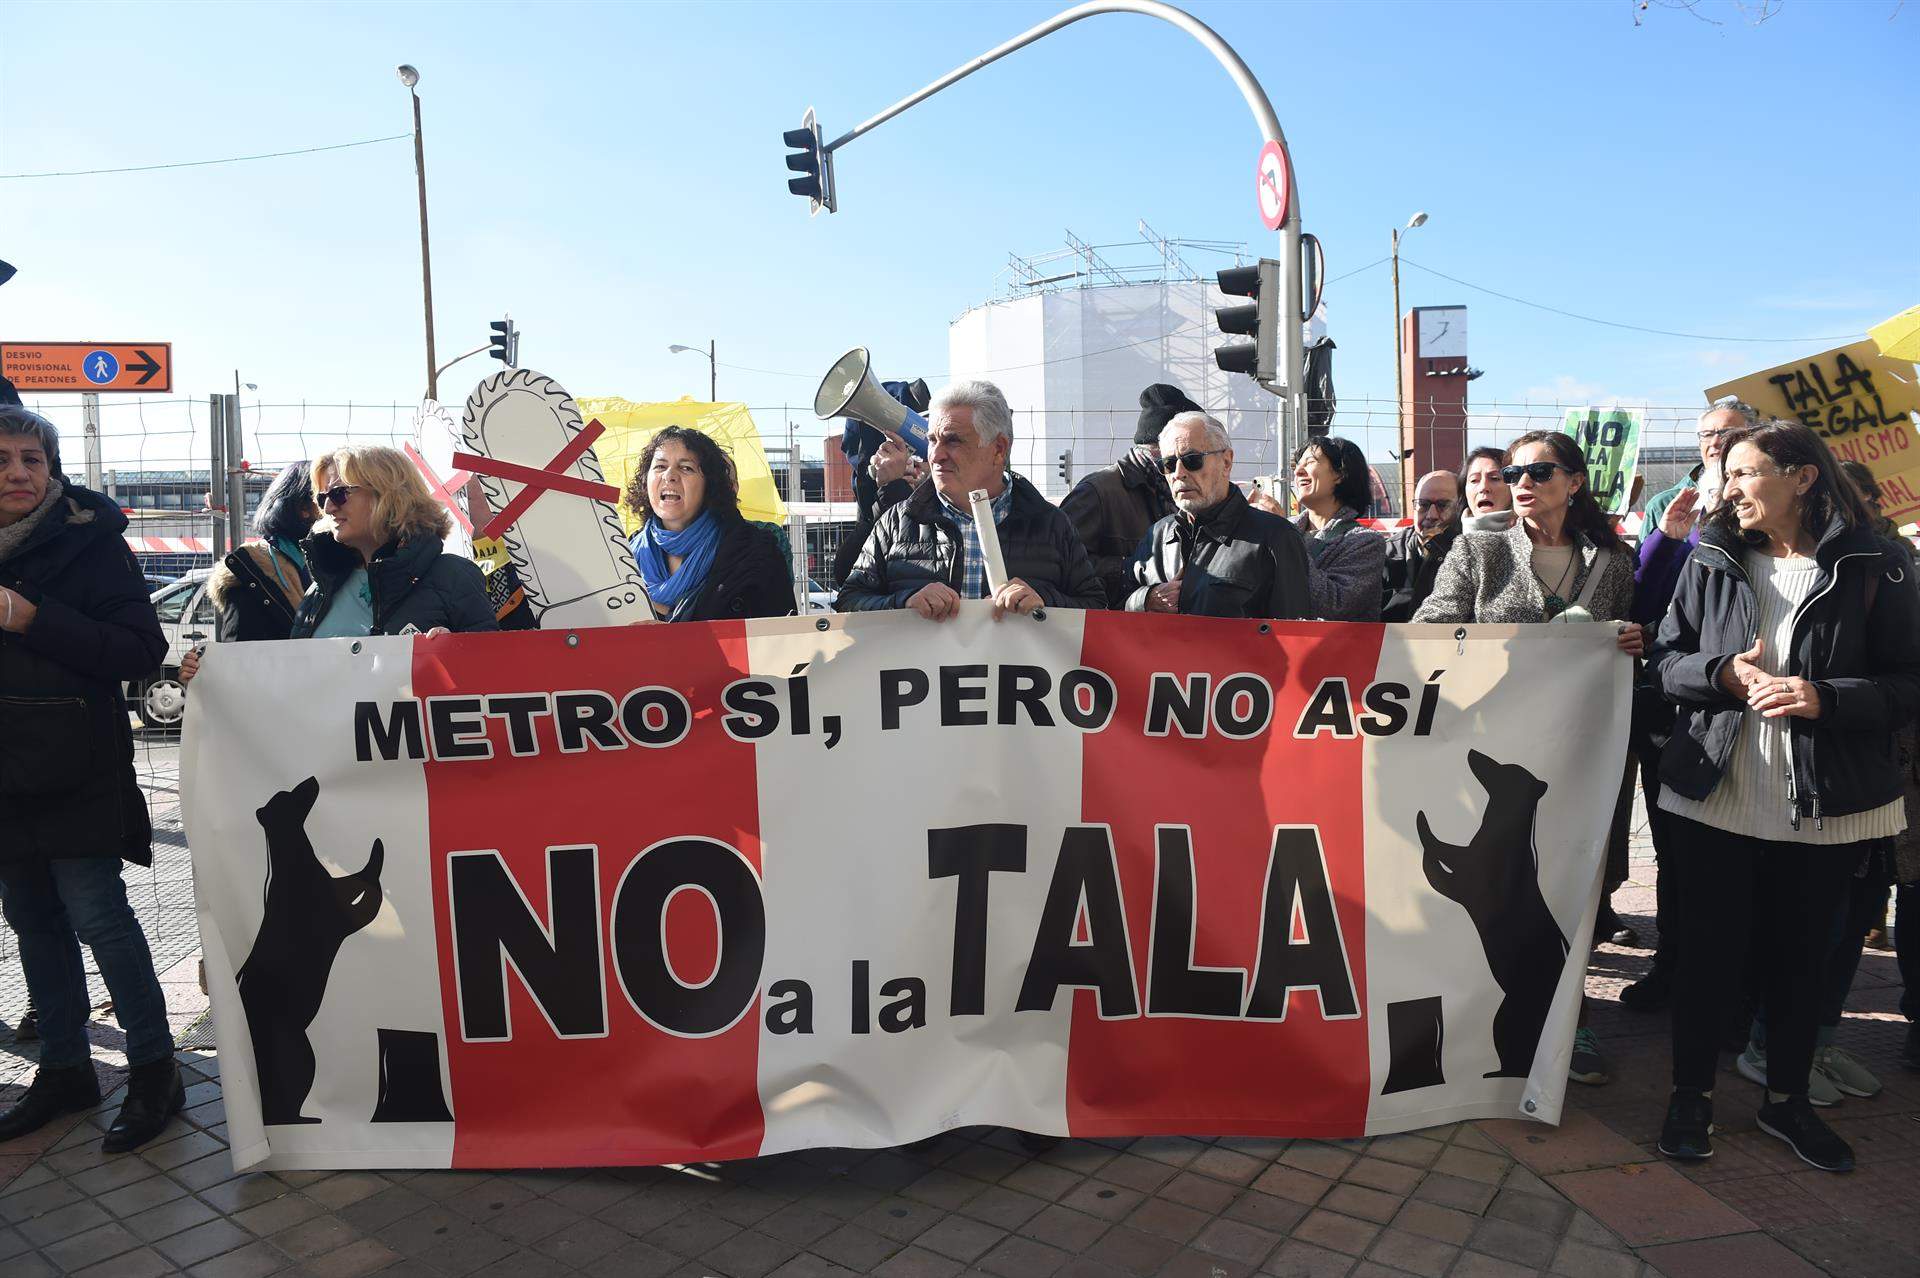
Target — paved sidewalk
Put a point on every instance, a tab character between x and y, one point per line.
1590	1199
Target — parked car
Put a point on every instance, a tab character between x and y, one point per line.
186	618
819	598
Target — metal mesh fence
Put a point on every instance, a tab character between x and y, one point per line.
154	456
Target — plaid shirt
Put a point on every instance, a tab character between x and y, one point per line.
973	561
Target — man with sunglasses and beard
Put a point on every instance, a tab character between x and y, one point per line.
1216	556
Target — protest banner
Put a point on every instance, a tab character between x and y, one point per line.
1858	400
1610	437
693	892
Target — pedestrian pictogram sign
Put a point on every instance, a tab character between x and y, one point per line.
48	367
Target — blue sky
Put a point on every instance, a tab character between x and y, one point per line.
613	175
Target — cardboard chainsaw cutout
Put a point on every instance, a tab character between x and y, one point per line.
524	441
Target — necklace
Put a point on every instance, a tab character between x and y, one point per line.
1556	602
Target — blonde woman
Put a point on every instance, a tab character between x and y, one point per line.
381	569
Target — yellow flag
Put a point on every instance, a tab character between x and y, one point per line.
630	426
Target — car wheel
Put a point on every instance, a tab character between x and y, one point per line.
163	701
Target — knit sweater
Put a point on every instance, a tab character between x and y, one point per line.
1747	800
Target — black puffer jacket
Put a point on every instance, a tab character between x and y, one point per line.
256	591
1236	562
67	784
917	542
749	577
414	584
1864	660
1112	509
1413	565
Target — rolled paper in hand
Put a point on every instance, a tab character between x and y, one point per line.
989	539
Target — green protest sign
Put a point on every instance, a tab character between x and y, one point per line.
1610	437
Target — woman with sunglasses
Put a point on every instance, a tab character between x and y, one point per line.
701	560
1792	651
1333	486
381	569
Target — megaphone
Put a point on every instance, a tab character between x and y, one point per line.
849	390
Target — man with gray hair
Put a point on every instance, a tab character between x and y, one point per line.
1216	556
1703	481
925	553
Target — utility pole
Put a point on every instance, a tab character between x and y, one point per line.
90	416
410	78
713	373
236	476
217	473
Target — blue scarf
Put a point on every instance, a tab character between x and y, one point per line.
695	544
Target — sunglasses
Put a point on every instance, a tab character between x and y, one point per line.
1191	460
336	495
1433	503
1539	472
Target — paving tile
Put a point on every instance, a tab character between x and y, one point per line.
1336	1232
887	1171
130	1200
1402	1249
1579	1143
1245	1243
746	1205
345	1189
1007	1208
116	1174
1473	1264
204	1173
1232	1166
984	1162
749	1254
1430	1220
798	1224
1178	1151
1266	1211
1518	1243
1042	1180
142	1262
1063	1227
379	1209
635	1259
1733	1256
37	1201
315	1237
1537	1212
1453	1191
30	1264
1521	1180
1188	1263
1199	1192
1133	1251
1406	1147
578	1243
355	1260
1017	1257
1294	1183
168	1219
946	1190
959	1238
1167	1219
693	1233
1144	1175
593	1194
1320	1159
855	1246
185	1149
900	1219
90	1247
1580	1260
807	1265
916	1263
1471	1164
524	1264
61	1222
243	1192
255	1260
1648	1204
277	1214
1108	1202
1378	1173
1297	1259
1367	1204
191	1246
11	1243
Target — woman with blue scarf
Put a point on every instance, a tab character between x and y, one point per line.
257	589
702	561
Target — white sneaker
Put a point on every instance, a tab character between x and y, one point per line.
1844	1071
1821	1091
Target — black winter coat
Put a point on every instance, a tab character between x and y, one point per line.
1112	509
916	542
250	599
749	577
1864	661
414	584
1413	564
1236	562
67	783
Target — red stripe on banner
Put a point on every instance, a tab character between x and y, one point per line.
1221	1076
637	1093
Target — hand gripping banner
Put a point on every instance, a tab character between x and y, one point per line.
683	893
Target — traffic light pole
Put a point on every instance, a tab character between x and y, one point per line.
1293	398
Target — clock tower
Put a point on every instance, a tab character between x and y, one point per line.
1433	418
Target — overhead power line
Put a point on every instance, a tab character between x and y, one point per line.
1634	328
194	164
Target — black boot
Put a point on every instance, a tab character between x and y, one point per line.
27	1029
154	1094
65	1089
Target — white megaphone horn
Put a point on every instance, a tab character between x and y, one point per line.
849	390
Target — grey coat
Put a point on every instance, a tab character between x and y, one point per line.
1348	566
1487	578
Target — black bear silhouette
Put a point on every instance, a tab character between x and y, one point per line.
1496	879
309	914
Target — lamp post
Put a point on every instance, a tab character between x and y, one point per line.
1399	378
713	369
411	77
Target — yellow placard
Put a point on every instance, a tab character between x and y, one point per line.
1860	402
630	426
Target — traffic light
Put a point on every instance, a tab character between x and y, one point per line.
1066	467
1259	319
813	162
504	345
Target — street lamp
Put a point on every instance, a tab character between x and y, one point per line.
410	77
713	369
1399	390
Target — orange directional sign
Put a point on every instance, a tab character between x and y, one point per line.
139	367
